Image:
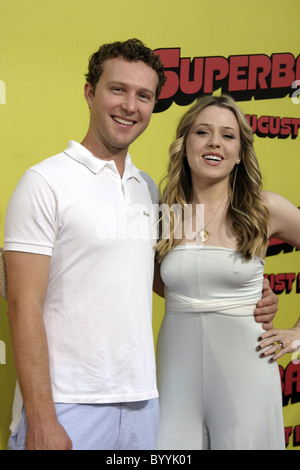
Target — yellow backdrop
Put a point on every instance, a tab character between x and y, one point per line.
44	50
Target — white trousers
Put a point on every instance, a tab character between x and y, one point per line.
215	391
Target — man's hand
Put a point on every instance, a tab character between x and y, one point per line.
266	307
52	436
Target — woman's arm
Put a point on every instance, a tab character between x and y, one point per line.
284	224
284	220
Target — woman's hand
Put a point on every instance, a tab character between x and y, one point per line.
280	342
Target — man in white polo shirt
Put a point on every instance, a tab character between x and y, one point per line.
80	254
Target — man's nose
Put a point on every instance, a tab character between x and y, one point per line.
129	104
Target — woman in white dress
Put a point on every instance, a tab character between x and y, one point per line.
215	393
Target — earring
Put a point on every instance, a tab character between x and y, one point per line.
238	161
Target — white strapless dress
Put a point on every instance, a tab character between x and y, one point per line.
215	391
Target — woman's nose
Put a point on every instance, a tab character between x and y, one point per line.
214	140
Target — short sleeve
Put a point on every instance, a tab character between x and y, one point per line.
153	190
30	223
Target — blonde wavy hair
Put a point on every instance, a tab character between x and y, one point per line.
247	213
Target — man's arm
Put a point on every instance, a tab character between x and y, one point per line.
27	286
158	285
266	307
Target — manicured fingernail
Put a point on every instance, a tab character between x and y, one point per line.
258	348
259	339
271	360
262	355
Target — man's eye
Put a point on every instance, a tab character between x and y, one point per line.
145	97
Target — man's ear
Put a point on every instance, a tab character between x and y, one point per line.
89	94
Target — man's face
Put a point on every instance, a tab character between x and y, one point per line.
122	104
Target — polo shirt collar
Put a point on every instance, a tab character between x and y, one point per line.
82	155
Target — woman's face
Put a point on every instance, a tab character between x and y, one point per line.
213	145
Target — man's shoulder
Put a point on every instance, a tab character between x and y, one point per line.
146	177
151	186
49	163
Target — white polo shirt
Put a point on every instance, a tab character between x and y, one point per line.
96	227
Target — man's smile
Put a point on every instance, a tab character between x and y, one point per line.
123	121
